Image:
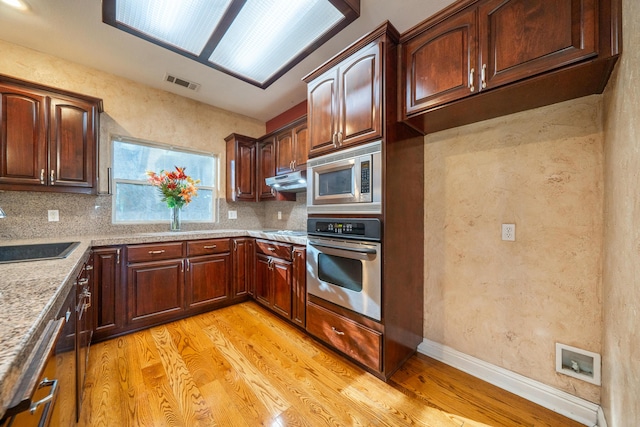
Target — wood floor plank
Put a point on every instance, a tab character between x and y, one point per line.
243	366
193	407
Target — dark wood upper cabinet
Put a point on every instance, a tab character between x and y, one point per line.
520	38
292	147
48	140
442	63
480	59
266	168
345	101
241	168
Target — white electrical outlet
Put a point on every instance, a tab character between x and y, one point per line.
53	215
279	215
509	232
233	214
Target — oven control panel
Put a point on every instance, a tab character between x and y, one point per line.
352	228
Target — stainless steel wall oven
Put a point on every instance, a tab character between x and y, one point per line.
344	263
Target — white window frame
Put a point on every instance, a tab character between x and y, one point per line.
113	181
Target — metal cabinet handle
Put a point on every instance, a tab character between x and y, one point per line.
238	191
88	267
484	76
272	249
472	73
156	252
210	246
186	261
118	256
337	331
334	139
42	176
49	397
340	138
83	281
235	245
53	177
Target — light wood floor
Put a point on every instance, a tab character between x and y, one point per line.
242	366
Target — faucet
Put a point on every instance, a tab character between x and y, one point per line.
2	214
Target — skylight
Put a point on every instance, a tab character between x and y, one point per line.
254	40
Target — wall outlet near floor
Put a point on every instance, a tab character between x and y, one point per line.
509	232
279	215
53	215
233	214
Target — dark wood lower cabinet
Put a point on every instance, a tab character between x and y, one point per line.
208	280
108	295
138	286
155	291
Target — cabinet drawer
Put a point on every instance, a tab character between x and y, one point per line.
207	247
278	250
154	252
353	339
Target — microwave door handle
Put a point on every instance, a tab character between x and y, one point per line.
342	248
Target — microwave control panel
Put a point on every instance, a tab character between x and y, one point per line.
365	177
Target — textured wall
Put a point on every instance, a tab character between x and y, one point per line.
508	303
131	109
621	273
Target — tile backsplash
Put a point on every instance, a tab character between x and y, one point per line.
91	215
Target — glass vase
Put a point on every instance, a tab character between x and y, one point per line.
175	219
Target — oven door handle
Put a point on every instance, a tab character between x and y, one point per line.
342	248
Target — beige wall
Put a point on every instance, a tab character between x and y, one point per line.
130	109
621	272
508	303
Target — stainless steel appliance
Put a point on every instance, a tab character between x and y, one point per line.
294	182
344	263
349	181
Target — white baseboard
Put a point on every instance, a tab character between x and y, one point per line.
602	421
570	406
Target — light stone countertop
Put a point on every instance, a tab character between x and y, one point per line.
31	293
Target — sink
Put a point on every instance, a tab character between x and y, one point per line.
36	252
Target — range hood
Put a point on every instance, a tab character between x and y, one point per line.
294	182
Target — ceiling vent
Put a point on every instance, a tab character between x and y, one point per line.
182	82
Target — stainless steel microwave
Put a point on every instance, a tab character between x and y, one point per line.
348	181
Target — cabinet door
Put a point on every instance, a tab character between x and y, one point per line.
72	144
155	291
322	107
108	298
299	289
520	38
301	146
439	64
360	97
208	280
266	168
284	152
23	136
281	282
262	280
242	266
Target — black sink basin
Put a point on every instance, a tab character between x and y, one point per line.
36	252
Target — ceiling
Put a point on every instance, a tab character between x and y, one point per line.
73	30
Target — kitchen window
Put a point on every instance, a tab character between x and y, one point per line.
136	201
